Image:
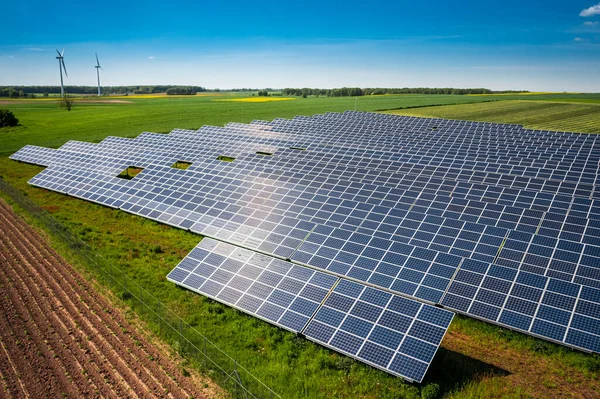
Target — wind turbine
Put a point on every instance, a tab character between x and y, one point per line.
98	68
61	66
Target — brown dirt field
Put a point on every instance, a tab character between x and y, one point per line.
58	337
538	376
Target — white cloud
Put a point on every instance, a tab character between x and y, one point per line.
151	57
578	39
588	12
34	49
590	23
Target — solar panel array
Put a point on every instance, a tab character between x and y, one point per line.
387	331
489	220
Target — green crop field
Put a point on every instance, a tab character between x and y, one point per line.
476	360
579	116
43	123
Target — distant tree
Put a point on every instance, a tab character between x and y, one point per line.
181	90
7	118
263	93
67	102
45	94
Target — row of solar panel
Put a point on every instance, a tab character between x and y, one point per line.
550	256
398	183
387	331
441	172
423	276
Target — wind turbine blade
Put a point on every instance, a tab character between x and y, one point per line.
97	62
64	67
58	52
63	52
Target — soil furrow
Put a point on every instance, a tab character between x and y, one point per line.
13	386
83	345
108	338
84	299
65	345
28	341
73	333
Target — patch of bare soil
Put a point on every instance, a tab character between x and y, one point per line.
58	337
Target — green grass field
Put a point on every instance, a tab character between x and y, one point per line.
580	116
43	123
295	368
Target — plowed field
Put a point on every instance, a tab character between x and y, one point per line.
58	338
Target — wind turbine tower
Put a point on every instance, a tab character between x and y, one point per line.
98	68
61	66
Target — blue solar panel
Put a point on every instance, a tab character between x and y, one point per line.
558	310
393	333
388	331
279	292
490	220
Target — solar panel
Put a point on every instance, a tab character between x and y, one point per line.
277	291
387	331
490	220
393	333
561	311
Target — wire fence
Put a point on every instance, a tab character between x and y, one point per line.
189	342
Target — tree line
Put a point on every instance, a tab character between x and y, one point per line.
150	89
181	90
357	91
9	92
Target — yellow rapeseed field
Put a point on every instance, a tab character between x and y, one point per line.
164	95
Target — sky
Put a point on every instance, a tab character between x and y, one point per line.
551	45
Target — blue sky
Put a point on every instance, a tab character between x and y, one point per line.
532	45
